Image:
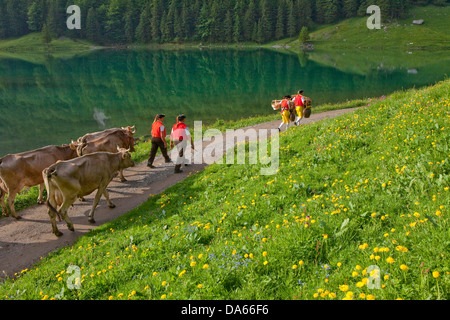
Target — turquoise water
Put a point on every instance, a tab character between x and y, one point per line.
57	100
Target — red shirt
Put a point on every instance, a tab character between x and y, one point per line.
179	131
284	106
299	101
156	130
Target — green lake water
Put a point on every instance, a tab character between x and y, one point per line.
55	100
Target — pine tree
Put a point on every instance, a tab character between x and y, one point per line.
228	28
55	20
144	28
115	24
280	32
35	16
304	13
92	26
155	23
237	29
16	10
46	35
204	23
350	8
250	20
132	19
291	21
304	36
3	22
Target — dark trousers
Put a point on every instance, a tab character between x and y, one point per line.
180	145
157	143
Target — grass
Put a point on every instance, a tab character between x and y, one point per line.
399	35
32	44
370	188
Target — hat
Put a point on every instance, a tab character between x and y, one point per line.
181	117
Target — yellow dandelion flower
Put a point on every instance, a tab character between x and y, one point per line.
436	274
404	267
390	260
343	287
200	286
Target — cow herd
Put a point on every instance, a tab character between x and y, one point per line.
68	172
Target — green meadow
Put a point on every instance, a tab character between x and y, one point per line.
357	210
394	35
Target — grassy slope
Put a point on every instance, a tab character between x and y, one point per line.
369	188
398	35
30	45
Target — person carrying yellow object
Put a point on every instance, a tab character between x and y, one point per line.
299	101
285	112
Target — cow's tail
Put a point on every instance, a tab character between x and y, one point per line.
50	173
47	175
52	209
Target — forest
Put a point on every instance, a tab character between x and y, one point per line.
212	21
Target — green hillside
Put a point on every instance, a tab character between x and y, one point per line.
365	191
396	35
401	34
32	43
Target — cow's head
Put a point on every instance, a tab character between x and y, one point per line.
125	158
80	147
131	130
74	148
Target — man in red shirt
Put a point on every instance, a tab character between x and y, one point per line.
179	138
158	140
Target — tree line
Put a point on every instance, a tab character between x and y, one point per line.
162	21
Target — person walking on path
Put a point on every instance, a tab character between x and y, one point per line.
179	138
158	140
299	101
285	114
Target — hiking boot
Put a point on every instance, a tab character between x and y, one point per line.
150	166
169	161
178	171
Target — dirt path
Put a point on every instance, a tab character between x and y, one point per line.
24	242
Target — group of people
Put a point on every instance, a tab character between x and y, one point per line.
299	104
178	138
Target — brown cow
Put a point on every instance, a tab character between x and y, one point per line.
108	143
25	170
68	180
96	135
